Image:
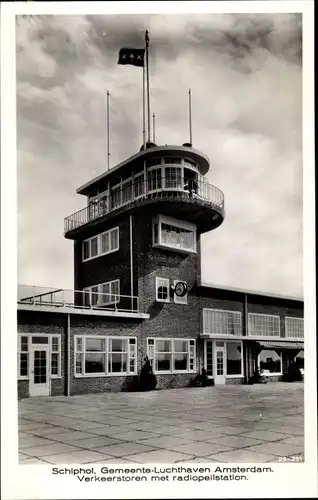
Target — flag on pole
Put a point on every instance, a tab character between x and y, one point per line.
136	57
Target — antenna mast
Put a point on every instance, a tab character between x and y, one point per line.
190	117
153	127
107	136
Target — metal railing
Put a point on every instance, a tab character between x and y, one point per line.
154	188
82	299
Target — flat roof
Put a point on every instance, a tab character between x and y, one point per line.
184	151
251	292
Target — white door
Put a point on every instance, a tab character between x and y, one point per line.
219	374
39	381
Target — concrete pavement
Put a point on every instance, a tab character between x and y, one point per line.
259	423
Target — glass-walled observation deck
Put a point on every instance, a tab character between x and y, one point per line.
173	179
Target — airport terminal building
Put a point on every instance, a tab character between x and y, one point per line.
138	291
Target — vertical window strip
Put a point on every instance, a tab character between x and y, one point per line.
55	352
23	356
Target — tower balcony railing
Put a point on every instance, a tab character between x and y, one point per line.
80	299
130	193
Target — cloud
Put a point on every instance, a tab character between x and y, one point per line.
245	73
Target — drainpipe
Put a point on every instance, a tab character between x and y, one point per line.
245	349
68	365
131	264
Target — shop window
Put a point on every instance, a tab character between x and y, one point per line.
234	358
300	360
270	362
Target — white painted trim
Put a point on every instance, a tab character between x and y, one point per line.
235	313
168	289
49	336
87	312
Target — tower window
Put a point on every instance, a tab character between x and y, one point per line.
101	244
162	290
175	234
154	179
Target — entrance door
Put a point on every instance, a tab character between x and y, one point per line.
39	381
219	376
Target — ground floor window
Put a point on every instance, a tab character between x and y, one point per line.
28	343
172	355
300	359
105	355
234	358
270	362
223	356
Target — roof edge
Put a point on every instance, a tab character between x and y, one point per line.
251	292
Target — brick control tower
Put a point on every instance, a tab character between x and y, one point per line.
137	242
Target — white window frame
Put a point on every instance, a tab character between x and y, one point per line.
136	182
122	184
180	224
206	329
180	300
58	352
120	191
23	377
177	166
100	301
131	356
152	353
99	244
271	374
276	316
109	231
49	360
167	283
156	167
288	320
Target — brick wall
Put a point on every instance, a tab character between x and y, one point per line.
23	389
115	265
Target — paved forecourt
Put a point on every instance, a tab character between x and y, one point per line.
259	423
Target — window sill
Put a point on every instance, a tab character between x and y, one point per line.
104	375
174	372
175	249
234	376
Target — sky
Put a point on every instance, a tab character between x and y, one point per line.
245	72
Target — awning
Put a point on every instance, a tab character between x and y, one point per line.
281	345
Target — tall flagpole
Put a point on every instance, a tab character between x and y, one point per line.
190	117
147	68
107	120
153	127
